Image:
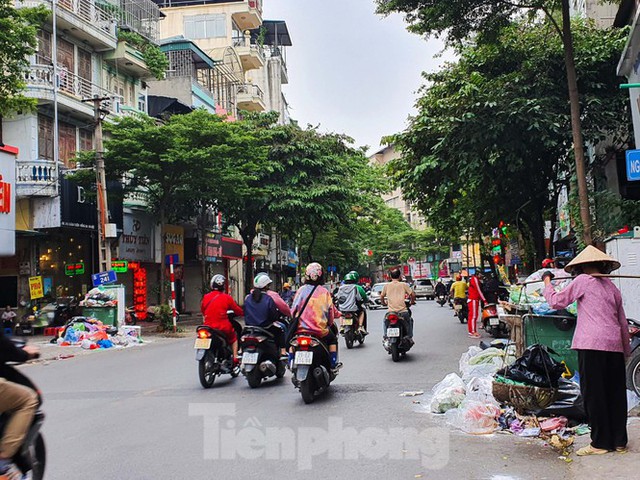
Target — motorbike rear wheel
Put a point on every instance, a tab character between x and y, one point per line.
306	390
633	372
40	458
395	353
254	378
348	339
207	371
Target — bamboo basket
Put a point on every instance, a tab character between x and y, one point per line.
524	398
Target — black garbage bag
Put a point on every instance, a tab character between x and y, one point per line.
569	402
536	367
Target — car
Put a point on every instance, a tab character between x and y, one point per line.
423	288
374	296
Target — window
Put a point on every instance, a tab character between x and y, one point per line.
86	140
205	26
43	57
67	143
45	137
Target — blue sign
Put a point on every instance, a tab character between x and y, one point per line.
167	259
633	165
104	278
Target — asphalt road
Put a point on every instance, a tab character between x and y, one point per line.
142	414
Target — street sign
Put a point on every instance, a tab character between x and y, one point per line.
120	266
72	269
633	165
167	259
36	288
104	278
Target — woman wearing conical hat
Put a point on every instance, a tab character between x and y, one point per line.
602	341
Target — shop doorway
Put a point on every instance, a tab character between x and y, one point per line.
8	291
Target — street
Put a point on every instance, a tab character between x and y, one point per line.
138	414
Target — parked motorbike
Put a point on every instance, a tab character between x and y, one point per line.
130	317
461	308
441	299
633	364
311	367
395	340
492	324
32	455
214	355
260	356
349	328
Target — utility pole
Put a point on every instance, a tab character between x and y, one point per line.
104	247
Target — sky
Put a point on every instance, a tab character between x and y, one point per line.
350	70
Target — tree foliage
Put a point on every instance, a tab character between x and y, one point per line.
18	29
492	138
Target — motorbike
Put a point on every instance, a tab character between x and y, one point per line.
395	340
32	455
633	364
441	299
260	356
349	329
214	355
491	322
130	317
311	367
461	308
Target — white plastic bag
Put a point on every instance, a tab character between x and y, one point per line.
447	394
466	356
480	389
474	417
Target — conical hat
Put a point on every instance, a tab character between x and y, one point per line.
591	255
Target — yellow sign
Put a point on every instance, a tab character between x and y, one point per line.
174	241
36	287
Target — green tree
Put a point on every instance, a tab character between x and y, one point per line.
491	140
460	19
18	29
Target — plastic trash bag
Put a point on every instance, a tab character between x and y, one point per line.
480	389
466	356
474	417
447	394
568	403
71	335
487	356
536	367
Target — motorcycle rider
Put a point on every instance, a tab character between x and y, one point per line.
351	297
214	308
440	289
20	401
263	308
393	295
458	291
287	294
317	317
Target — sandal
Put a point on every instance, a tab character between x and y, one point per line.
622	449
589	450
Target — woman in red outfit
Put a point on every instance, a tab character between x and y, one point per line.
215	305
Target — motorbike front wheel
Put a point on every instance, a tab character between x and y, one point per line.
633	372
207	371
40	458
348	339
306	390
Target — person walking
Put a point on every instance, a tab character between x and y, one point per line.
475	295
602	341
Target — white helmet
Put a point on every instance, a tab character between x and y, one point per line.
261	281
217	282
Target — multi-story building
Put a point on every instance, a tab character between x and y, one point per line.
602	12
395	199
79	58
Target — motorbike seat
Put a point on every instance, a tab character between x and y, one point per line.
218	334
256	331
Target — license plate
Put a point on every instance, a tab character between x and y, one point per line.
202	343
304	358
393	332
347	321
250	358
494	322
457	307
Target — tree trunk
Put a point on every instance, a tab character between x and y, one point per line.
535	222
163	253
576	124
312	242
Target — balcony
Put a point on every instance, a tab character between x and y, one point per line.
250	98
251	16
136	199
82	19
72	89
128	60
132	112
36	178
251	56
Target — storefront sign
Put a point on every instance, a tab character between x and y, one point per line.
36	288
136	241
173	237
212	247
231	248
120	266
72	269
78	208
292	259
633	165
7	200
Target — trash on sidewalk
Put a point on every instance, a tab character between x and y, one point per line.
92	334
448	394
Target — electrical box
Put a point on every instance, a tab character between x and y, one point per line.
626	249
110	230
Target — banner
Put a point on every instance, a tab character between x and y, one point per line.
7	200
36	288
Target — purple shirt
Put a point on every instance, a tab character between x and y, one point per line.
602	324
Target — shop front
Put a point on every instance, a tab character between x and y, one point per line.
8	262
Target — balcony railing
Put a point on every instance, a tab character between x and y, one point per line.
41	76
251	89
36	178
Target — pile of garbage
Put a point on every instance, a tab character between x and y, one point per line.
531	295
100	297
92	334
468	404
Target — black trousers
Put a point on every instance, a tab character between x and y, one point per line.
604	390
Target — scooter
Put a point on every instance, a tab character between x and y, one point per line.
395	340
260	356
633	364
214	355
441	299
461	309
32	455
349	328
491	322
311	366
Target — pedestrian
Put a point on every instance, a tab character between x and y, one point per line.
287	294
602	341
8	318
473	303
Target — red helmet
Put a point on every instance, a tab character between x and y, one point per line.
546	262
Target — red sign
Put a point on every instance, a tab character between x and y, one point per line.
5	196
140	292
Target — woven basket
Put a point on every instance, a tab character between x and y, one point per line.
524	398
